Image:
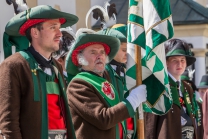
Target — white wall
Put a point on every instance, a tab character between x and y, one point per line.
198	42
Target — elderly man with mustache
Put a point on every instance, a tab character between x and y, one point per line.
94	103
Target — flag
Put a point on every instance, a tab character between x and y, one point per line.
149	26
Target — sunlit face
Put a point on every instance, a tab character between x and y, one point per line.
121	55
48	38
176	65
202	91
96	57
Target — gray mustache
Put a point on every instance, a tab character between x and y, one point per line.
97	61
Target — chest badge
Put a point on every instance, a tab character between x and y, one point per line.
108	90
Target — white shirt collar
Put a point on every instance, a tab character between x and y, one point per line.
174	79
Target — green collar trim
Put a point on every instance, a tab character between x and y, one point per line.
106	90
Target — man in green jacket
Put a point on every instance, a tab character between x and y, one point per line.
33	99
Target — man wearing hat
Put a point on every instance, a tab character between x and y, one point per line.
203	89
32	94
94	103
181	122
66	42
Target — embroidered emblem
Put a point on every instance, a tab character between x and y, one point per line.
108	90
34	71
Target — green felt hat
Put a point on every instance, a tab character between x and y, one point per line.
204	82
177	47
121	28
37	13
113	33
111	45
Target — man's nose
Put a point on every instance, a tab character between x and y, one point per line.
179	63
59	33
99	56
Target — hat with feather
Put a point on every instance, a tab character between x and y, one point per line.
67	39
17	26
177	47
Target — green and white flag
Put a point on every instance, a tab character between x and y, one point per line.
149	26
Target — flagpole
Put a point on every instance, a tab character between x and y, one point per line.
140	114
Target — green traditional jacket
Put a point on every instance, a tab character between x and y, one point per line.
120	85
40	94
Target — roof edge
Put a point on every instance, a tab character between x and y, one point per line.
197	7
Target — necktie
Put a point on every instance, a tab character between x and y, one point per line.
177	85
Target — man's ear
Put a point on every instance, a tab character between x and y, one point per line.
34	32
